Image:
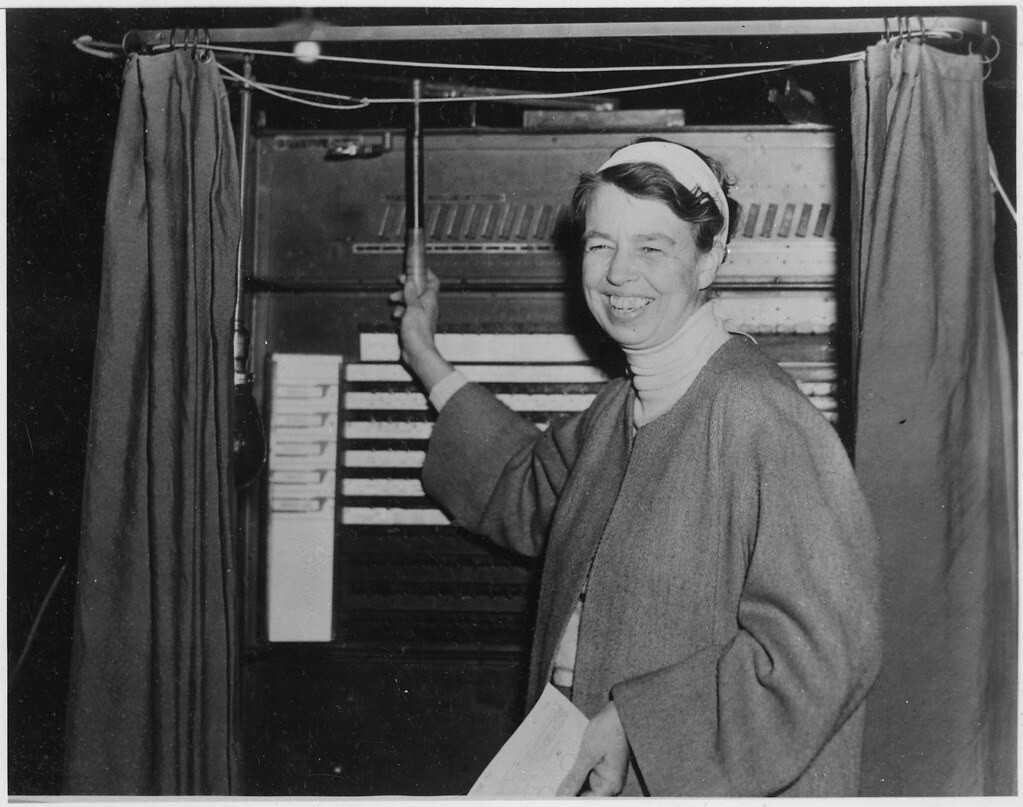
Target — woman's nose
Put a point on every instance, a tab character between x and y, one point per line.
620	269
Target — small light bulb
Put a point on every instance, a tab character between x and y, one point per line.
306	52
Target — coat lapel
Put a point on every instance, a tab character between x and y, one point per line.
579	523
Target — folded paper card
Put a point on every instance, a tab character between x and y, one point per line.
536	758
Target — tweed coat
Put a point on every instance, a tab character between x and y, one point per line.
728	565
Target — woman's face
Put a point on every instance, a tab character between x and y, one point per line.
643	275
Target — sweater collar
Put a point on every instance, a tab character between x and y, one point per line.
661	375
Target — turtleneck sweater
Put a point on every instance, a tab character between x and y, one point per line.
662	374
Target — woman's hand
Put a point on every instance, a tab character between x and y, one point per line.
603	757
417	310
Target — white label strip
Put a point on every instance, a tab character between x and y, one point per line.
383	459
377	372
322	390
392	515
324	405
297	477
387	430
414	401
810	370
382	487
294	448
534	373
326	460
576	402
306	420
322	506
389	401
794	312
305	489
483	348
395	430
307	434
815	389
490	373
770	260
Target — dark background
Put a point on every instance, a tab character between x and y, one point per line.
62	108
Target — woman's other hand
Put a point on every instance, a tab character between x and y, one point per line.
603	757
417	311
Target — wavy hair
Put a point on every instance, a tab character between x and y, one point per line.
646	180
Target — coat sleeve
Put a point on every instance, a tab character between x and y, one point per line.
496	473
747	716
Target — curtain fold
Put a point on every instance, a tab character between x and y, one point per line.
155	654
935	430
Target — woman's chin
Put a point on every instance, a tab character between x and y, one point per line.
627	335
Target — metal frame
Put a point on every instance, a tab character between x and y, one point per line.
311	30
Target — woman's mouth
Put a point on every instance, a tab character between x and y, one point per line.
626	305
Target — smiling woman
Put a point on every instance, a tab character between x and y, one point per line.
643	274
709	596
651	250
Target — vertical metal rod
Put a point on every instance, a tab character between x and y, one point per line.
241	335
415	236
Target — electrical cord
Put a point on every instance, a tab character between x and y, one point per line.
16	669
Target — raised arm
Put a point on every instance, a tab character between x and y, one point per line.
418	310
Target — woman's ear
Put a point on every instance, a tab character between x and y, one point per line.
709	263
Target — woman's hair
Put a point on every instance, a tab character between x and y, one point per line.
646	180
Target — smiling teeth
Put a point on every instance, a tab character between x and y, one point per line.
628	303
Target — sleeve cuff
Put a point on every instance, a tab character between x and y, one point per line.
445	388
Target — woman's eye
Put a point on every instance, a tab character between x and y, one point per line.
596	247
649	250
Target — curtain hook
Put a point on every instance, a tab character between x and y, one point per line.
132	43
205	55
985	60
887	31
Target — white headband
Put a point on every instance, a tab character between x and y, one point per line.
683	164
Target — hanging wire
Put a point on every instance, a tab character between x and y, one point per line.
287	93
93	46
12	674
520	68
993	171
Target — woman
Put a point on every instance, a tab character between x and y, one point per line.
709	596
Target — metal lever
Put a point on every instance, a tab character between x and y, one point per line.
415	237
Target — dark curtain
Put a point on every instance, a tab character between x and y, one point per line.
155	653
934	439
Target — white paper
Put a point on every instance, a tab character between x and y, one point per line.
302	466
300	576
536	758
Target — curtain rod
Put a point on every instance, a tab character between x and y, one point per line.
306	30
